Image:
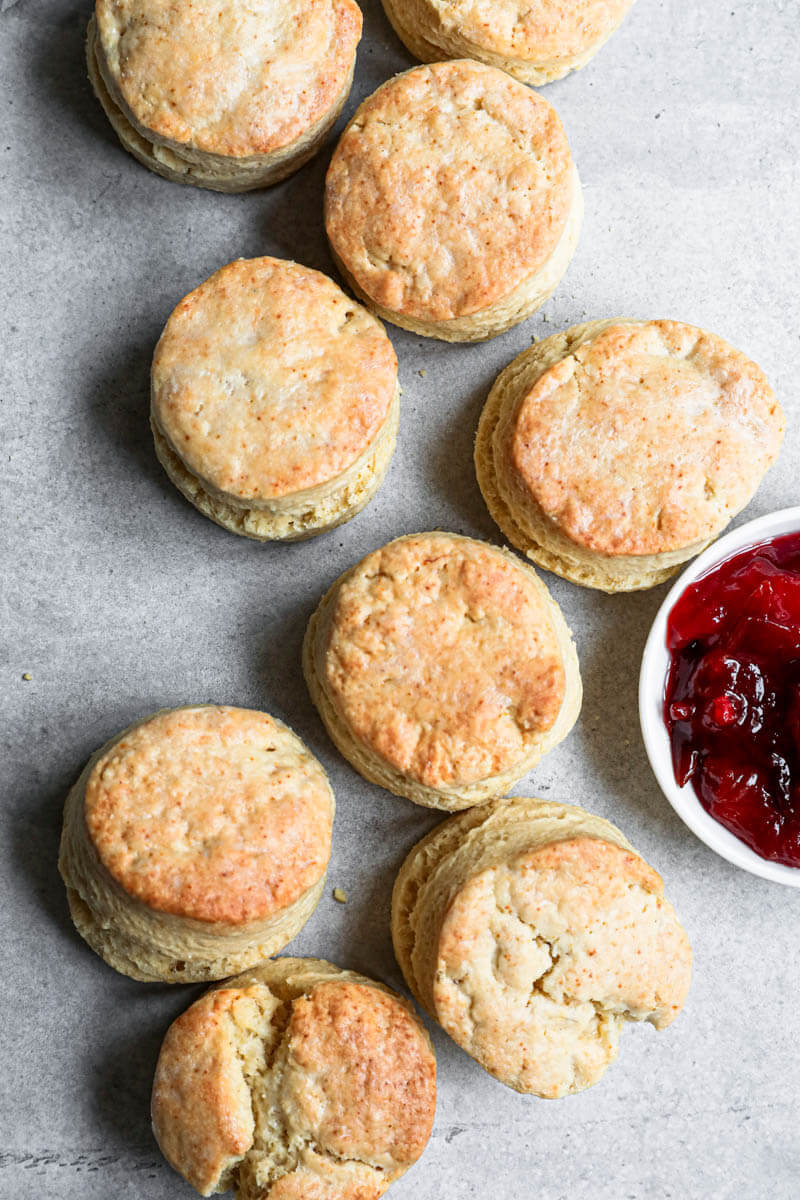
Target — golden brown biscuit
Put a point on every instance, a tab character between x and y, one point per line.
275	400
452	203
442	669
232	96
532	931
615	451
295	1081
195	843
534	40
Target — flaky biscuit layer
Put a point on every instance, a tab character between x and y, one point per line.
230	99
441	671
613	452
195	842
531	931
452	202
295	1081
535	42
294	518
274	400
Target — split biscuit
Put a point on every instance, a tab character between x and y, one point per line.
534	40
229	96
442	669
195	843
295	1081
615	451
274	400
532	932
452	203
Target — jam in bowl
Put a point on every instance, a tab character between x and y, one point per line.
732	695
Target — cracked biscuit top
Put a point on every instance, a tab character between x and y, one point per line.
541	959
268	380
217	814
295	1081
232	77
642	438
440	655
450	187
534	30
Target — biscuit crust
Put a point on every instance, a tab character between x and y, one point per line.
441	670
295	1081
615	451
535	42
194	839
532	931
231	97
452	203
274	399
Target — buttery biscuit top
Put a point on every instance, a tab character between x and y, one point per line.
540	960
441	657
536	30
451	185
268	379
213	813
329	1094
645	438
359	1073
229	77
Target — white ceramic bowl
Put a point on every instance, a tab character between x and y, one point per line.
655	664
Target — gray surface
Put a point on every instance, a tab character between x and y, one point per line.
119	598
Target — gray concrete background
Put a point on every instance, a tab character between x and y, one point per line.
119	598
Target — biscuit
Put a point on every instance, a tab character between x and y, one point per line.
442	669
295	1081
535	42
232	96
275	401
615	451
452	204
532	931
195	843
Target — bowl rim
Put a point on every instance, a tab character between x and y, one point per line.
652	678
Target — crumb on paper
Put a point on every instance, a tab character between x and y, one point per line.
422	372
340	895
27	677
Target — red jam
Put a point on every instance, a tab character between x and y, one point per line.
732	699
